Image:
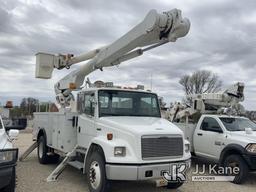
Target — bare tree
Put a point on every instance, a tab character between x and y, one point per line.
28	105
201	81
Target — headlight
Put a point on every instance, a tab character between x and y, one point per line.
120	151
8	156
251	148
187	147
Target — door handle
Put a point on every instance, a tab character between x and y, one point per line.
200	134
217	143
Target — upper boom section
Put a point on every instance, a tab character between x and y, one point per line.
155	30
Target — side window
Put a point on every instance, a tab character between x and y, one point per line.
85	103
80	102
89	107
210	124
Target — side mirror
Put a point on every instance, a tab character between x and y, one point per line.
13	134
92	108
248	131
92	100
92	105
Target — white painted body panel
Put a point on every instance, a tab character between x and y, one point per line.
5	142
60	133
188	130
205	145
127	131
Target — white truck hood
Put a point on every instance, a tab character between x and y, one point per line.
142	125
242	135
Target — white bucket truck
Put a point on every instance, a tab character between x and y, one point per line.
112	133
217	133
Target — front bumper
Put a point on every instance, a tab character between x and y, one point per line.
141	171
6	175
6	169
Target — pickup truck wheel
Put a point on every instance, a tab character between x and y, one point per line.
237	161
96	174
174	185
42	150
11	186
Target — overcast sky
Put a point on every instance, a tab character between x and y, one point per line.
222	39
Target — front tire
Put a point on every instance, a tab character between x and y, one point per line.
237	161
96	173
11	186
174	185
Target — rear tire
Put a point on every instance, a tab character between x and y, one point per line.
174	185
11	186
96	173
237	161
42	151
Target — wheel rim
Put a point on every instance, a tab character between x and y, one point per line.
40	150
95	175
234	164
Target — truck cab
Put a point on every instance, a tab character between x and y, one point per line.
132	117
118	134
226	140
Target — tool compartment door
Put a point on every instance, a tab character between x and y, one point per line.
64	133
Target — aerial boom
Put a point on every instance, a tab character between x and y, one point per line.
155	30
226	101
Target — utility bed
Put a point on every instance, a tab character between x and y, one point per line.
59	127
188	130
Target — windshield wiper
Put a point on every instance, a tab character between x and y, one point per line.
133	115
144	115
109	114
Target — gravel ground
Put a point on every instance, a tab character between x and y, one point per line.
32	175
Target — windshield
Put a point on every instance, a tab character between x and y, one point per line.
125	103
237	124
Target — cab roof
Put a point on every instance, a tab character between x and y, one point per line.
116	89
224	115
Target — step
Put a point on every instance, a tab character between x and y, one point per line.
77	164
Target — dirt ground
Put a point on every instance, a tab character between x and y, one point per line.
32	178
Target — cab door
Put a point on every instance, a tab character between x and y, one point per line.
86	120
209	139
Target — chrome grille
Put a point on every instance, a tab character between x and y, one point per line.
161	146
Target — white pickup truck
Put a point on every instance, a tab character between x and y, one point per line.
117	134
8	158
228	140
